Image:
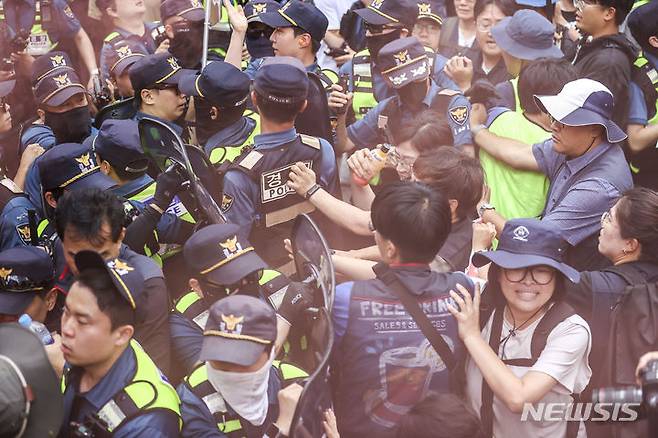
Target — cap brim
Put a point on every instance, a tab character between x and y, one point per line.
26	350
506	43
15	303
414	71
95	179
188	85
6	87
175	78
65	93
195	14
372	17
554	105
126	62
236	351
433	18
274	19
237	269
510	260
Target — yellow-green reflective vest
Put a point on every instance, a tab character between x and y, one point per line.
228	153
229	422
39	42
643	63
147	390
364	93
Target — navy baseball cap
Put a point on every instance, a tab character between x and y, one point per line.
123	54
24	272
218	253
72	166
58	86
282	79
643	23
529	242
220	83
429	10
300	14
526	35
117	142
239	329
48	63
191	10
583	102
403	61
381	12
255	8
7	87
152	70
126	278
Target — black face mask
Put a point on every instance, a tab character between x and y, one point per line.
205	126
413	94
71	126
187	43
375	42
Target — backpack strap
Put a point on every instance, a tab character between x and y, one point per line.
388	277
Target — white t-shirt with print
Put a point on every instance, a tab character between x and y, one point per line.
565	358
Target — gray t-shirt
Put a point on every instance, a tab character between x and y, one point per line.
564	358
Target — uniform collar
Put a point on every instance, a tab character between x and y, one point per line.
232	135
133	187
431	92
578	163
121	372
313	68
274	139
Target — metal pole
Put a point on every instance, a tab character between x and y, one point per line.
206	31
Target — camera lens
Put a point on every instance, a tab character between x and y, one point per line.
629	394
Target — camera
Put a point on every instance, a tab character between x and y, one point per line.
646	396
93	427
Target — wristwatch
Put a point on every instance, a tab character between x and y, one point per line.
274	432
484	207
312	191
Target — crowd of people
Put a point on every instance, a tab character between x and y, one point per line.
484	174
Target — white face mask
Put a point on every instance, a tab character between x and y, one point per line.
246	393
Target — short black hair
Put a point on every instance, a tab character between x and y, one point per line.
440	416
414	217
315	44
109	299
86	210
622	8
426	131
276	111
453	173
637	215
508	7
544	76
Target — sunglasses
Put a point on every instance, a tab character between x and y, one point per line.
380	28
257	31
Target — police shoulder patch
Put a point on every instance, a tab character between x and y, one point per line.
23	231
459	114
227	203
311	141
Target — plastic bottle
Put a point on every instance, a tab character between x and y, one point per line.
37	328
379	155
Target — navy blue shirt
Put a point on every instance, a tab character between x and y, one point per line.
14	223
156	423
186	341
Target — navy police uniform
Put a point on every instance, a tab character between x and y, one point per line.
221	260
404	61
133	398
256	196
14	216
239	330
24	273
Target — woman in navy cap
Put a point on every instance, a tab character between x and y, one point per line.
531	347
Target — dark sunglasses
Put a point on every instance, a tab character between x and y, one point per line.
380	28
257	31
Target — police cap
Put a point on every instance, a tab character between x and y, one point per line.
128	281
48	63
58	86
403	61
282	79
123	54
191	10
157	69
220	83
255	8
381	12
429	10
218	253
296	13
118	143
24	271
72	166
239	329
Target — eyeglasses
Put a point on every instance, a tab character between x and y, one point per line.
606	218
582	4
540	274
171	87
426	27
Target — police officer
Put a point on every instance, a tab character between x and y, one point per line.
184	21
234	391
155	81
42	25
258	33
428	23
122	55
406	68
26	279
111	385
14	215
221	263
221	92
255	193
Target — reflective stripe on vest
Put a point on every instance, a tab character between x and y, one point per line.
147	390
192	308
364	94
643	63
228	153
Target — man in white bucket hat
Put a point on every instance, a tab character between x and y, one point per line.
583	161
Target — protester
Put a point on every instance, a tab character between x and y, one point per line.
458	33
